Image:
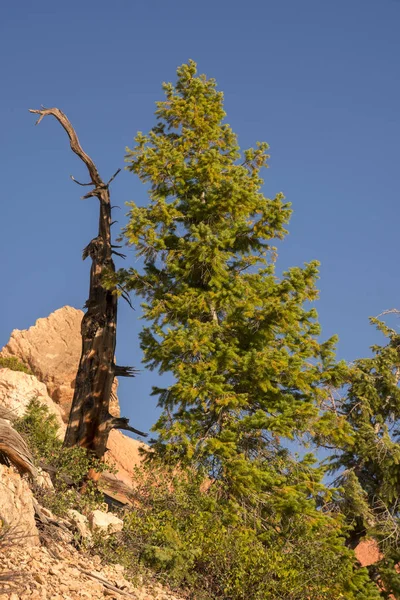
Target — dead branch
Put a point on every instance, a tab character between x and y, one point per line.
79	183
74	141
123	423
125	371
106	583
389	311
127	299
113	177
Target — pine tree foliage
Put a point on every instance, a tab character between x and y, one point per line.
192	539
372	408
371	459
240	342
249	372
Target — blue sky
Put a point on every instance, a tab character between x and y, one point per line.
318	80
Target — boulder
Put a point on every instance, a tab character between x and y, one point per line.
105	521
52	349
80	522
43	480
16	508
17	389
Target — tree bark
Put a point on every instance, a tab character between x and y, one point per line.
13	448
90	421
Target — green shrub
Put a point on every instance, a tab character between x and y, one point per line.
213	547
69	465
40	429
12	362
218	549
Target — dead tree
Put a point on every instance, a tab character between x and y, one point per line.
90	421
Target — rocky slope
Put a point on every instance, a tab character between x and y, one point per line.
59	572
44	564
51	349
17	389
62	573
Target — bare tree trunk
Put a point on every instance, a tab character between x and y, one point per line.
90	421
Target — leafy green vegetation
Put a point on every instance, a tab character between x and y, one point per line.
369	464
69	465
215	550
12	362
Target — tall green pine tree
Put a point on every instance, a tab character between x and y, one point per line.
241	343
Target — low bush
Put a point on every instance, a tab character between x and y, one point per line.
12	362
216	549
197	538
69	466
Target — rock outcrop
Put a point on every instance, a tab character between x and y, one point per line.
52	349
17	389
367	552
80	522
16	508
56	570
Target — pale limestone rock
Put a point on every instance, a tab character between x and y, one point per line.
16	507
17	389
80	522
52	349
106	522
43	480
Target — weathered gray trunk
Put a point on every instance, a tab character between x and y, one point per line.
90	421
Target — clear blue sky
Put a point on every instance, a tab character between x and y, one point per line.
318	80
